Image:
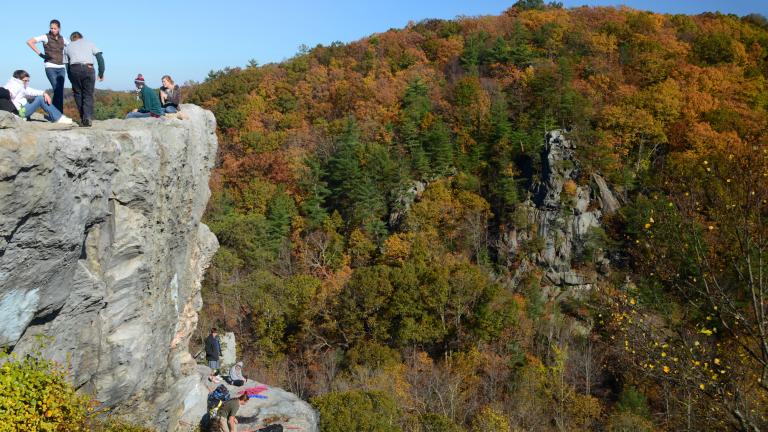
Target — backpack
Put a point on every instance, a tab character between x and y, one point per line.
216	398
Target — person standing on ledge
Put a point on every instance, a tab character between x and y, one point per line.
151	106
78	56
53	56
212	348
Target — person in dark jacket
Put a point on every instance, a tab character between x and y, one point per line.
6	104
213	350
170	96
150	101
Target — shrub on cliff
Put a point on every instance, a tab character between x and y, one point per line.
36	396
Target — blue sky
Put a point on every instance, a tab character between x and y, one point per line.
186	39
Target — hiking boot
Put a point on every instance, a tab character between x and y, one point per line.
64	120
87	123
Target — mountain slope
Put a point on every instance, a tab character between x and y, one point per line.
401	237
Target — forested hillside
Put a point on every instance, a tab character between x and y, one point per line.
379	256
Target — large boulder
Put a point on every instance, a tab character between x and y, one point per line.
102	252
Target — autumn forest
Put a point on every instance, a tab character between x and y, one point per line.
550	219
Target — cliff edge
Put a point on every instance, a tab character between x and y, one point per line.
102	251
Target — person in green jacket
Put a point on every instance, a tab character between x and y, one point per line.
151	101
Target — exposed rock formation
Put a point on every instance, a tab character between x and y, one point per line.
228	350
102	250
563	216
273	405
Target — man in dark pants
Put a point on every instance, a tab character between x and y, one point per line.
78	56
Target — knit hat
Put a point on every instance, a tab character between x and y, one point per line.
139	79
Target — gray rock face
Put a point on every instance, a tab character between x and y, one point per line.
273	406
102	251
228	350
563	221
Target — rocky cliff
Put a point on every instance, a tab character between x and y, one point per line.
561	223
102	252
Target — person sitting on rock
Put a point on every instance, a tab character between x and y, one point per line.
225	418
5	101
170	96
236	377
150	101
19	90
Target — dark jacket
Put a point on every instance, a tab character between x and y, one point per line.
172	96
212	348
6	104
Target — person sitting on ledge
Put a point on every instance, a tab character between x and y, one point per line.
236	377
19	90
150	101
225	419
170	95
5	101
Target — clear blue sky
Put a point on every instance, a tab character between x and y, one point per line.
186	39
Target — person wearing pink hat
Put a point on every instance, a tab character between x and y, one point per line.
151	106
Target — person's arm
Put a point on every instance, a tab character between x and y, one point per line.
33	92
100	61
32	43
144	98
29	91
232	423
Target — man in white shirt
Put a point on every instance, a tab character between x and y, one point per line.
53	44
19	90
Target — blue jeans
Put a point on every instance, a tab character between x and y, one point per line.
170	109
138	114
51	113
56	77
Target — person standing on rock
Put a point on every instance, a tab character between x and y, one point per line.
213	350
53	56
225	419
78	56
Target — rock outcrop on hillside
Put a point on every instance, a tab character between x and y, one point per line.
102	252
561	221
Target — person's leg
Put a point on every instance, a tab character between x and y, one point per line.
75	78
56	78
170	109
137	114
51	113
89	87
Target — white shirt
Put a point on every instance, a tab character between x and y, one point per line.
19	93
44	39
